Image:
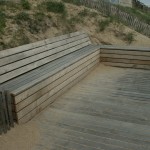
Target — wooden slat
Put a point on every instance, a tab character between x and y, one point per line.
9	108
30	76
5	110
125	48
46	96
53	83
126	61
21	49
34	65
125	52
39	50
147	67
81	56
49	69
32	59
126	57
3	126
50	100
35	87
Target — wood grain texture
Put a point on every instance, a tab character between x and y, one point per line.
50	86
45	104
20	49
39	50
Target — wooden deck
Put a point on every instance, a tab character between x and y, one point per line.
108	110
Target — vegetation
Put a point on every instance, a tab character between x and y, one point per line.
22	23
2	21
104	24
145	16
129	37
22	17
56	7
39	23
25	4
76	2
84	13
19	38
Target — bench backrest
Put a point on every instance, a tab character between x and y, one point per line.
17	61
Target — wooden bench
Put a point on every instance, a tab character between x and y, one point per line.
34	75
125	56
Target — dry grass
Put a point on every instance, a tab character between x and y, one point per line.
38	23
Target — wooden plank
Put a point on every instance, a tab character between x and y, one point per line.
13	84
45	104
125	57
5	110
35	87
9	108
124	52
53	84
41	49
46	96
126	61
34	65
146	67
40	73
46	76
20	49
32	59
88	51
2	116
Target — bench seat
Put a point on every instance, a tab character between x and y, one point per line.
38	79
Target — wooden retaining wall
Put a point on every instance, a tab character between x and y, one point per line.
130	57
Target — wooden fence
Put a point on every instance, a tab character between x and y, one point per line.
108	9
6	117
141	6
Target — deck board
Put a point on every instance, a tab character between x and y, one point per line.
109	109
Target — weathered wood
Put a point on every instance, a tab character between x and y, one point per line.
129	57
40	71
147	67
3	125
52	84
20	49
9	108
36	64
19	56
126	52
35	85
54	89
126	61
126	48
33	73
45	104
32	59
5	106
85	52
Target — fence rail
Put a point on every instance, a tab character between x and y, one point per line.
108	9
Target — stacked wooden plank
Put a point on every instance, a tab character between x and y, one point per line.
131	57
34	75
6	121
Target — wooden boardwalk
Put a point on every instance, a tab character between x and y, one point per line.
108	110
